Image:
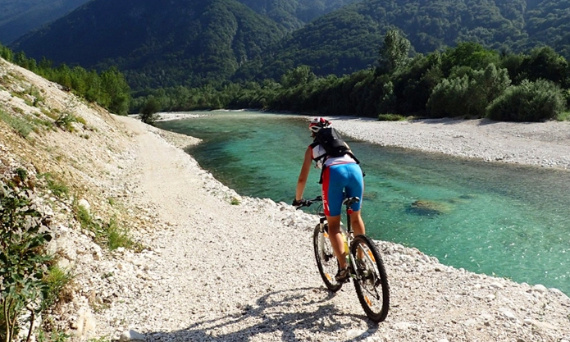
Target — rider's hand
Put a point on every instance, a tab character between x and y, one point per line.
297	202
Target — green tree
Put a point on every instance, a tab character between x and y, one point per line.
414	83
115	91
449	97
63	76
470	94
93	86
6	53
299	76
485	86
513	63
394	53
468	54
545	63
149	110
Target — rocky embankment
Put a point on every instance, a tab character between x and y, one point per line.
219	267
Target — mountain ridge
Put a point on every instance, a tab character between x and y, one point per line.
155	37
339	42
22	16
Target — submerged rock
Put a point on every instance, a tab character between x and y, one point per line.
428	208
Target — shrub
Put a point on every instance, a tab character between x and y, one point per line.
530	101
448	98
54	336
469	92
56	281
65	120
564	116
23	258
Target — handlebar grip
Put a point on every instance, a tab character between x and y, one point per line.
306	203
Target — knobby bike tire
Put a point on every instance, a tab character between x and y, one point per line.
371	284
327	263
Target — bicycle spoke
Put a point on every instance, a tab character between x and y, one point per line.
326	261
369	253
371	283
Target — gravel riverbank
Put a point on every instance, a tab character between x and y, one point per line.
541	144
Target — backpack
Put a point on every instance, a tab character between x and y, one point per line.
333	144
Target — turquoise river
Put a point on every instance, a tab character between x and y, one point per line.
498	219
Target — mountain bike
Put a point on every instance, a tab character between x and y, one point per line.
364	261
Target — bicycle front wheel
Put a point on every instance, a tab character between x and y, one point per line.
326	260
371	282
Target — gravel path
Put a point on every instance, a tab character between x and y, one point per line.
221	272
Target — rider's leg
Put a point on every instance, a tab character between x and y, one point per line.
332	203
355	188
336	239
357	223
357	227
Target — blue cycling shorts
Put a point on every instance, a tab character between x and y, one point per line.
340	179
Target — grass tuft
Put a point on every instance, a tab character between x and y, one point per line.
119	237
57	187
391	117
56	281
564	116
22	127
111	235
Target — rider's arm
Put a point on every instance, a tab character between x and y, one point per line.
304	174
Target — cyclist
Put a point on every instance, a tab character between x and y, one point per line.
339	175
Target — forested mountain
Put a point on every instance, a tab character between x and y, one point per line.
549	22
157	43
293	14
18	17
194	42
348	40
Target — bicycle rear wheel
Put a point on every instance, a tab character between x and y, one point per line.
371	282
326	260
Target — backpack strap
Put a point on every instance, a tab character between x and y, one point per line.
312	146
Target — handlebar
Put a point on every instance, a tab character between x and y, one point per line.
307	203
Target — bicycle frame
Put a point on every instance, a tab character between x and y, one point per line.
348	233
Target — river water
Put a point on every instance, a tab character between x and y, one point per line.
498	219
